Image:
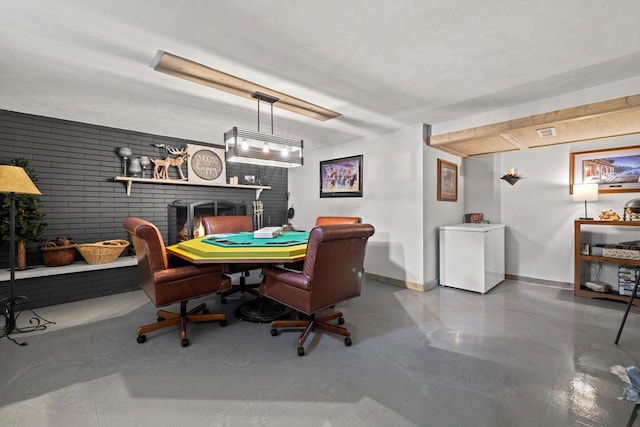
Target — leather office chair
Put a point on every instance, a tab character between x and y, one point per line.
329	220
168	280
232	224
332	273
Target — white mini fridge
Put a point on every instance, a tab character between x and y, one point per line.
472	256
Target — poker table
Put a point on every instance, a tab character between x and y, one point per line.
290	246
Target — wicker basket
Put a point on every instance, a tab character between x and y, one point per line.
102	252
57	256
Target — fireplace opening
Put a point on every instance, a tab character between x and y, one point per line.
185	218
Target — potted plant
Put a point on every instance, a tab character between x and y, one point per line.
30	220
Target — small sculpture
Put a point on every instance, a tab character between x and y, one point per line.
161	166
631	210
609	215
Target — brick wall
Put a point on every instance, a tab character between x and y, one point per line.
76	163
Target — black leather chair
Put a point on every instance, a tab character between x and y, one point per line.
168	280
332	273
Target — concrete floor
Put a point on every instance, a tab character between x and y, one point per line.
521	355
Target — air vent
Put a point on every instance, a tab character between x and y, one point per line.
546	132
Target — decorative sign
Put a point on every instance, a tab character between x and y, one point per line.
206	164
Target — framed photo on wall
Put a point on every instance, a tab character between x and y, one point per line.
447	181
615	170
341	177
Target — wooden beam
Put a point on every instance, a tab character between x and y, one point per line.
606	119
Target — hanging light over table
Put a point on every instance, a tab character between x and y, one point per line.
256	148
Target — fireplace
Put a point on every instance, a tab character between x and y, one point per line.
185	218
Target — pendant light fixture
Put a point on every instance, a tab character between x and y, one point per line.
256	148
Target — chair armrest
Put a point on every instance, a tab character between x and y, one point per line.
288	277
185	272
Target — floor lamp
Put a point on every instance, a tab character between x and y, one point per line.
13	180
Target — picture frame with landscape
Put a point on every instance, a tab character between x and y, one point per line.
447	181
615	170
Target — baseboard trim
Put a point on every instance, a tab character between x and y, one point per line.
561	285
421	287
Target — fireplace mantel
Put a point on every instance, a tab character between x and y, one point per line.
129	181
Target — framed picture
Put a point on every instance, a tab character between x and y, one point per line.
341	177
447	181
249	180
615	170
206	164
584	248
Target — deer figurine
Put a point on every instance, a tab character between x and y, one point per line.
161	166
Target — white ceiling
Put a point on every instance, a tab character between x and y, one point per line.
383	64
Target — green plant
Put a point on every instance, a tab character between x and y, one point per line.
30	220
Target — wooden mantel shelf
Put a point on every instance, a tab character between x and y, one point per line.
129	181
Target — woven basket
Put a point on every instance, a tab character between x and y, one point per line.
57	256
102	252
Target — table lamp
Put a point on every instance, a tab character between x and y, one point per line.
13	180
585	193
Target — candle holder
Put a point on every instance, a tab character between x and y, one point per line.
125	153
145	162
511	177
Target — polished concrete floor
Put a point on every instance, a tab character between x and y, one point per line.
521	355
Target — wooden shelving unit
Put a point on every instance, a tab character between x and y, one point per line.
129	181
579	258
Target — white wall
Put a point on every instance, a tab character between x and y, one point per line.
392	199
437	213
538	210
400	180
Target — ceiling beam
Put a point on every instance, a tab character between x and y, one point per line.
606	119
186	69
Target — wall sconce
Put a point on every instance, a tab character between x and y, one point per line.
585	193
511	177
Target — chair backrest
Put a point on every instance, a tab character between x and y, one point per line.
334	262
329	220
226	224
150	251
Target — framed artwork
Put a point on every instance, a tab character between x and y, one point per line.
341	177
615	170
206	164
447	181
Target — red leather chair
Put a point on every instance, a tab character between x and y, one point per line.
168	280
329	220
232	224
332	273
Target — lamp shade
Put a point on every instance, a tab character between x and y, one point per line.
14	179
585	192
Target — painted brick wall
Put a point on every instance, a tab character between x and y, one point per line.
76	163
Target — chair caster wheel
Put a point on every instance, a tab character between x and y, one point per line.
274	332
300	351
340	320
223	323
223	300
160	319
184	342
347	341
141	339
